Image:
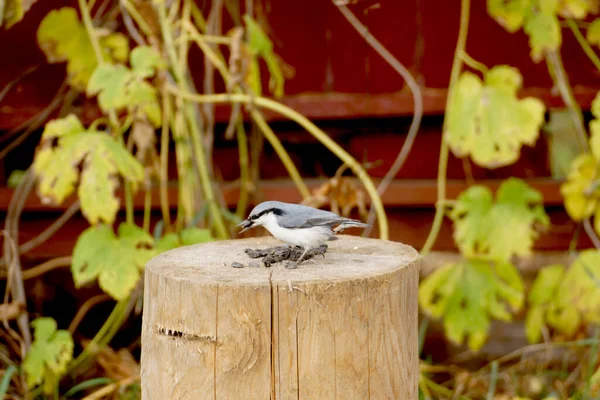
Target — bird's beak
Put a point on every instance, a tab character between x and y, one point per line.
246	225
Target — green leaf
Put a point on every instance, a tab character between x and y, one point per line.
469	214
580	200
510	14
167	242
488	122
567	300
15	178
563	146
546	284
118	87
499	229
102	160
593	35
468	294
14	11
578	9
544	289
108	81
544	34
260	45
114	261
186	237
534	323
50	352
595	108
63	38
116	46
195	235
145	60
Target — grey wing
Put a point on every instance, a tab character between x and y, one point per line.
302	220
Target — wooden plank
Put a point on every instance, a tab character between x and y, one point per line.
401	193
333	106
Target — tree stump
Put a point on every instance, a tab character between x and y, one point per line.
343	327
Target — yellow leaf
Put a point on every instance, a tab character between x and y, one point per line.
102	158
544	34
593	35
467	294
580	202
499	229
488	122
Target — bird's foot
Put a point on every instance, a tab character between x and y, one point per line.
291	265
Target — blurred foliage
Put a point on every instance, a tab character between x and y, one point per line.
487	121
139	91
565	299
119	87
63	37
50	352
102	159
468	294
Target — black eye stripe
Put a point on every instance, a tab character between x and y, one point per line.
276	211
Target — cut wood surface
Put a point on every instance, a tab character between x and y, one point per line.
342	327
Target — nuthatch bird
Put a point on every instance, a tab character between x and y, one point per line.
298	225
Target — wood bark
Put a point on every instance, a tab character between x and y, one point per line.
341	327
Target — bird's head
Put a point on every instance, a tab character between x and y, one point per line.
261	214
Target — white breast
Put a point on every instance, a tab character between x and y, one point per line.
304	237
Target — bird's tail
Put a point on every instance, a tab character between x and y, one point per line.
350	223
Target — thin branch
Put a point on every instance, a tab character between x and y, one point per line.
560	77
59	262
461	43
312	129
108	389
12	83
129	25
11	227
417	101
255	114
38	120
85	307
51	230
585	46
89	25
587	225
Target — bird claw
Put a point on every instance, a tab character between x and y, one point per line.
291	265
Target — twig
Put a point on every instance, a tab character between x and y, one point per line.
164	160
197	146
11	310
472	63
417	102
59	262
108	389
35	122
133	32
242	140
587	225
585	46
89	25
12	83
51	230
85	307
560	77
213	27
256	116
13	263
137	17
443	161
312	129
